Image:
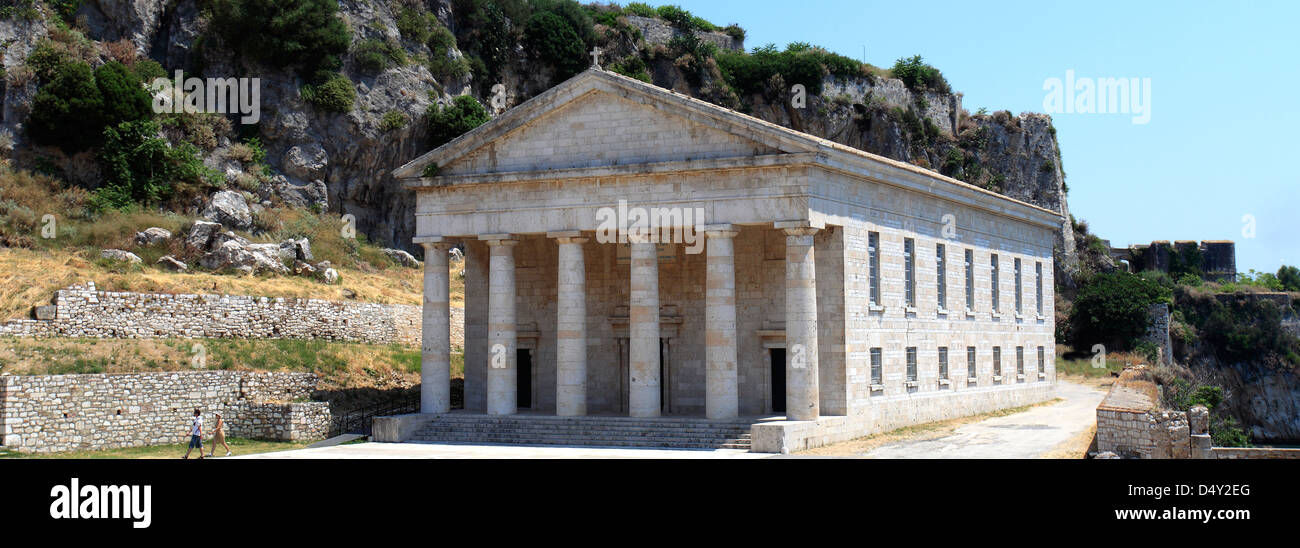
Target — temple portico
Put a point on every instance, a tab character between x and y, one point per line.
630	252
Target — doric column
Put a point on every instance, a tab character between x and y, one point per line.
643	332
721	385
571	327
801	396
502	396
435	368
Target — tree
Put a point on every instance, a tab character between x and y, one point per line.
918	76
125	99
67	111
1289	277
304	34
447	123
1111	309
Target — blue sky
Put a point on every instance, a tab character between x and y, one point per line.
1225	77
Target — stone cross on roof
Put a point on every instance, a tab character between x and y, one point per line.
595	57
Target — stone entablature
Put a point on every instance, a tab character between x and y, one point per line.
84	311
51	413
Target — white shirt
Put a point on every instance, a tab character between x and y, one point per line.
197	427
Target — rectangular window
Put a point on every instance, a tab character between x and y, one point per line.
873	267
994	262
941	270
1019	300
943	362
877	367
970	280
1042	362
909	270
1038	288
997	361
971	371
1020	360
911	364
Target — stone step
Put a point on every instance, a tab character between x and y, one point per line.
579	428
680	443
436	430
612	421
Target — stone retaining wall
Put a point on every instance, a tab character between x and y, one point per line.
1256	453
50	413
1131	424
82	311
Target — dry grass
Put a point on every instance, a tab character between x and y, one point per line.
918	432
30	277
33	267
1076	447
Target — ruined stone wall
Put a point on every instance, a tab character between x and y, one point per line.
1131	424
50	413
83	311
658	31
1158	332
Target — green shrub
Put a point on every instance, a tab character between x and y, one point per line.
800	63
305	34
640	8
675	16
559	33
139	167
393	120
66	110
489	29
336	94
553	41
1239	328
1111	309
415	24
1289	278
146	70
447	123
441	63
374	56
918	76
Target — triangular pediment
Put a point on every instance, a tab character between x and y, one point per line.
603	129
599	119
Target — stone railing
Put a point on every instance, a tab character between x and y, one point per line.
82	311
49	413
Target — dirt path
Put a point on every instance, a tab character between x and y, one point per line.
1047	431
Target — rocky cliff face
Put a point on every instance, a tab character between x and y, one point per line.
350	156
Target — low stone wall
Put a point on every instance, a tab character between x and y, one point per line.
1131	424
1255	453
50	413
82	311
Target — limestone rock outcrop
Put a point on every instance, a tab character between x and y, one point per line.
230	209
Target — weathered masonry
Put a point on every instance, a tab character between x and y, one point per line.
763	273
48	413
84	311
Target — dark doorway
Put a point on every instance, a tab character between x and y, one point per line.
778	380
524	378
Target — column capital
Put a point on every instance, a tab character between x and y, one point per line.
720	231
568	237
799	228
495	240
427	241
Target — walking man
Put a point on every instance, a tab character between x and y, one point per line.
196	435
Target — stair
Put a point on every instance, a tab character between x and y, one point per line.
670	433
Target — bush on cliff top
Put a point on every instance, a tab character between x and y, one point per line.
1111	309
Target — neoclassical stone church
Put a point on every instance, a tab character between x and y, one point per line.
634	252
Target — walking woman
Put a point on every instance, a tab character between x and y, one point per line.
219	436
